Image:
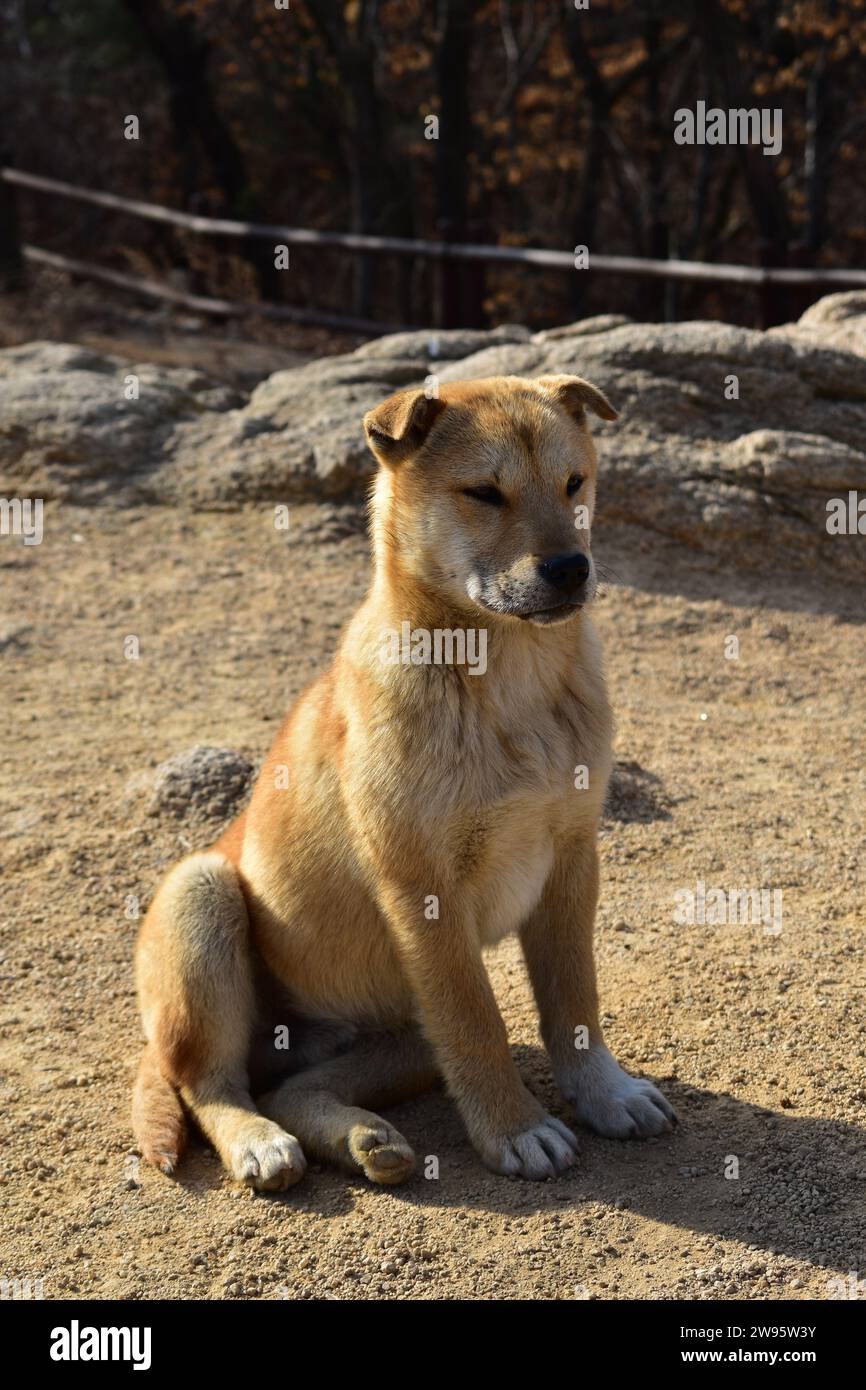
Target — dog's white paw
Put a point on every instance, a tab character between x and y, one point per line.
266	1157
615	1104
543	1151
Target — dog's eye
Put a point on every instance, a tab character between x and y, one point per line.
485	492
574	484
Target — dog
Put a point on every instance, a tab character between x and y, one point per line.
409	814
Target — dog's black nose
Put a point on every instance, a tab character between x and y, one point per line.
565	572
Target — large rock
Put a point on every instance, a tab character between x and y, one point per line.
730	440
837	320
70	427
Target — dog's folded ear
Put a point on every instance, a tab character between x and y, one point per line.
398	427
577	396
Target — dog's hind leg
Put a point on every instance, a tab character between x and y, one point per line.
196	989
323	1105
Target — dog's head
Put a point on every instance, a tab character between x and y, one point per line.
486	492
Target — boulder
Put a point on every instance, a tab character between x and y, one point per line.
837	320
69	429
730	440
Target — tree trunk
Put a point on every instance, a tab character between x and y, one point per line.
461	283
380	187
195	117
12	276
766	200
657	148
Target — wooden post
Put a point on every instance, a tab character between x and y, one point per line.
446	278
461	283
11	260
773	297
475	282
802	257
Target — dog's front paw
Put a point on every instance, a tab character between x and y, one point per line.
263	1156
543	1151
615	1104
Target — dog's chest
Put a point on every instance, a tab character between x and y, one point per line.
519	863
540	755
544	779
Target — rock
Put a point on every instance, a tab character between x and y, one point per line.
685	461
746	480
440	345
599	323
201	780
68	430
837	321
329	523
299	436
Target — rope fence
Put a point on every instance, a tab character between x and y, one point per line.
677	270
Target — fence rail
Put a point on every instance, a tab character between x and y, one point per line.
204	304
694	271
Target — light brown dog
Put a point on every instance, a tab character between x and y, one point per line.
419	802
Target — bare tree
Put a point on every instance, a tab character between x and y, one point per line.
198	124
719	35
461	282
380	183
641	194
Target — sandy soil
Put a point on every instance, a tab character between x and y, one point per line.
743	773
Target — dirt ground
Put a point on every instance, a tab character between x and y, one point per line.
737	772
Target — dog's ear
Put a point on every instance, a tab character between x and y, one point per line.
576	396
398	427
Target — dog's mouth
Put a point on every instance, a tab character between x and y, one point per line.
557	613
542	617
529	607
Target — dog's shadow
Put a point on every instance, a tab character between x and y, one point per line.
786	1183
770	1178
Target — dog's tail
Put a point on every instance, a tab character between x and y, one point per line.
158	1121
